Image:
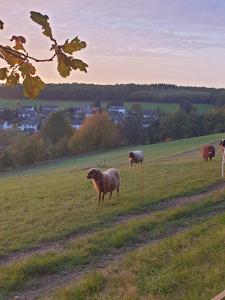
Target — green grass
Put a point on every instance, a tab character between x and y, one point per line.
166	107
50	204
189	266
169	107
53	201
13	103
27	272
119	156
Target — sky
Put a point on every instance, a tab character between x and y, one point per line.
140	41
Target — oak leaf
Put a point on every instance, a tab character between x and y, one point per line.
27	69
79	64
73	46
43	21
9	57
32	85
64	67
3	73
19	40
13	79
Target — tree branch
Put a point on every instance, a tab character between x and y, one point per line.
26	56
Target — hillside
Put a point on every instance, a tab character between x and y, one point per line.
53	232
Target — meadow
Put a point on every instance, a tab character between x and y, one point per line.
166	107
52	226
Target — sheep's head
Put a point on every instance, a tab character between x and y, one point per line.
93	173
131	155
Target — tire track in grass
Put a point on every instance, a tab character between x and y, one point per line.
49	284
162	205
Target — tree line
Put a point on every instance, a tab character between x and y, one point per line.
162	93
100	133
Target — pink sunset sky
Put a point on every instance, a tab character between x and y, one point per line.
144	41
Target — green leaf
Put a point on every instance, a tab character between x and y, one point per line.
79	64
3	73
43	21
32	86
13	79
73	46
27	69
1	25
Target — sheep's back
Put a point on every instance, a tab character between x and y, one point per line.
112	179
139	154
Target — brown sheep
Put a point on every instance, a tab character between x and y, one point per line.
104	182
136	157
208	152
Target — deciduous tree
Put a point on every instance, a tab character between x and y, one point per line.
56	127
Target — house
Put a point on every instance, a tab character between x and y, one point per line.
28	108
83	111
76	123
6	125
117	109
145	125
149	116
29	125
148	113
47	109
27	114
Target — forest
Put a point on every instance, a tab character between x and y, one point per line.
118	93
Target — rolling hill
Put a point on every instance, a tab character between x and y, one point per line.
150	243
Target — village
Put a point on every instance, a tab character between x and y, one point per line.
29	119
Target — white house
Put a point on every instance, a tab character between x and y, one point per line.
28	108
28	126
117	109
6	125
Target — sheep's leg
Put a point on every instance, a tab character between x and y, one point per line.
103	196
99	198
110	195
222	168
118	191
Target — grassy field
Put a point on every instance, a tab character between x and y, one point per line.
170	107
28	271
189	266
119	156
50	204
167	107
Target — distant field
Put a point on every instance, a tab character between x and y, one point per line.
170	107
167	107
61	104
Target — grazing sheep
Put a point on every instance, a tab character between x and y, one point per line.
136	157
222	144
104	182
208	152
